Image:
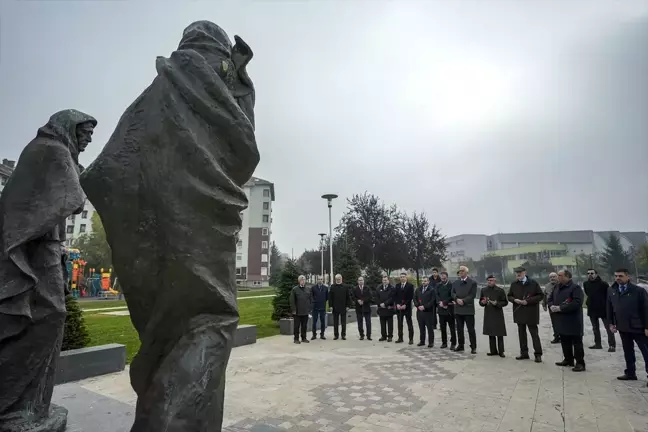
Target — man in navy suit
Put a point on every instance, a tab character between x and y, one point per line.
362	298
403	296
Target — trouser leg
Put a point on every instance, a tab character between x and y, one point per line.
535	339
296	324
390	326
522	336
453	330
493	344
429	322
421	324
359	319
410	324
579	352
567	348
642	343
304	324
343	317
315	319
460	330
596	330
367	317
322	315
336	323
399	324
500	344
470	323
443	324
627	341
383	327
610	335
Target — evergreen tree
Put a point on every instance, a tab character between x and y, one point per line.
285	284
75	334
275	265
614	257
373	275
348	265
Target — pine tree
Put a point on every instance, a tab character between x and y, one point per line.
75	334
373	275
287	280
348	265
614	257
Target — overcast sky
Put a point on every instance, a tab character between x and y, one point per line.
487	115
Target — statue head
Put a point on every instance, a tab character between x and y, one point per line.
73	128
211	41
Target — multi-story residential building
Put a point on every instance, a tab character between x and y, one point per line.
79	224
253	247
6	168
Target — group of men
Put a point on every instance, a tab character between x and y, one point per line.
623	307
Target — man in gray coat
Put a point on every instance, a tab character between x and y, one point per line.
464	291
301	304
548	290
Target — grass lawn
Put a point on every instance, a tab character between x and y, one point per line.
106	329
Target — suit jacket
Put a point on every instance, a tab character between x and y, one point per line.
403	295
466	291
427	299
365	295
385	296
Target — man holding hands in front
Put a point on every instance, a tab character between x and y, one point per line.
526	294
464	291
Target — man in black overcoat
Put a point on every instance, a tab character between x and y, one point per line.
424	301
385	301
596	290
403	296
526	294
566	302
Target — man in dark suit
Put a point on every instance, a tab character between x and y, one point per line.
320	297
385	301
525	295
435	280
596	290
424	301
627	313
464	291
339	299
403	296
566	302
362	298
446	311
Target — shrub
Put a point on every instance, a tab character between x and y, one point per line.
75	334
286	281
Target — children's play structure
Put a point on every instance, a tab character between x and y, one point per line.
95	284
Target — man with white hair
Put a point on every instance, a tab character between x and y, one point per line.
548	290
525	294
464	291
301	303
339	299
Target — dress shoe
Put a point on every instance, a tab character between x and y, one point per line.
444	346
399	341
313	337
625	377
555	341
538	359
523	357
491	354
322	337
411	341
296	341
361	337
502	355
336	337
473	351
579	368
390	339
430	345
452	348
343	337
420	344
305	341
596	346
382	339
459	349
368	338
565	363
612	349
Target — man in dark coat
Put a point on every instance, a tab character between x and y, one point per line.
493	300
435	280
385	301
566	302
548	289
596	290
42	192
320	297
362	298
403	296
301	304
424	301
627	313
464	291
339	299
445	311
526	295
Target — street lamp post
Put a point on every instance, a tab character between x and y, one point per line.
329	198
322	235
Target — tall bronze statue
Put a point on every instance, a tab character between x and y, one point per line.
42	192
169	189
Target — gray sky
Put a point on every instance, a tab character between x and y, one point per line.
487	115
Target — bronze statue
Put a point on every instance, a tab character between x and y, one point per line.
169	189
42	192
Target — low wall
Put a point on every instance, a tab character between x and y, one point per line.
78	364
246	334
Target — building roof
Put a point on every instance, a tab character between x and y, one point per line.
586	236
5	171
534	248
256	181
637	238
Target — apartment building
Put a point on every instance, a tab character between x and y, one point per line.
253	247
79	224
6	168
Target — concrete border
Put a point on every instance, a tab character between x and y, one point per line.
78	364
246	334
286	324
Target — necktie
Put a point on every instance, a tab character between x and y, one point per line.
424	288
623	289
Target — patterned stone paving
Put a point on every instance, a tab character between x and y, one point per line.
340	406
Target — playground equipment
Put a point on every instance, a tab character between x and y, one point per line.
101	283
75	267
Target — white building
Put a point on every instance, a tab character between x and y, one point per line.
253	248
79	224
6	168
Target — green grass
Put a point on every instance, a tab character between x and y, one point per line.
105	329
256	292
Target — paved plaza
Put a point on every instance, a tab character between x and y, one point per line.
374	386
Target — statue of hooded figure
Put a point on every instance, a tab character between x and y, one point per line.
41	193
168	187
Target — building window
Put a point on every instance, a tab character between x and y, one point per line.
266	206
266	218
264	258
72	218
264	271
82	228
70	229
238	271
264	244
264	231
84	214
266	192
238	257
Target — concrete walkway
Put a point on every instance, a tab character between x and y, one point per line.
371	386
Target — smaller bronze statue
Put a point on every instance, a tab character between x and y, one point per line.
42	192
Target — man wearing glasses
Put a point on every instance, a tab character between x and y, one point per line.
596	290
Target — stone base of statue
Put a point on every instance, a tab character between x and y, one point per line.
55	422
